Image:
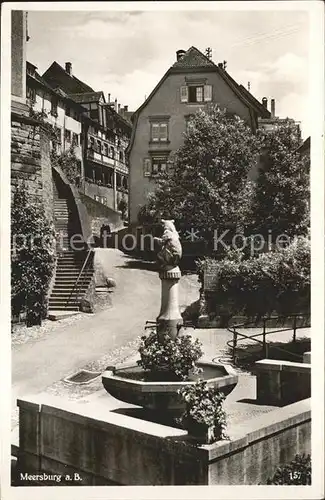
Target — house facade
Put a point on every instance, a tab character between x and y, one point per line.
57	109
192	83
106	134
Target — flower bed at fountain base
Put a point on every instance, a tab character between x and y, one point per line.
132	384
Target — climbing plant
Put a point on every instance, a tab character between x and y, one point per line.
69	164
33	256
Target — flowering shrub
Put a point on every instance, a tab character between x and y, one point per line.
204	405
177	356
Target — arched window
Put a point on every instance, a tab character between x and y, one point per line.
112	152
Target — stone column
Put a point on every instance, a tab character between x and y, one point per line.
169	319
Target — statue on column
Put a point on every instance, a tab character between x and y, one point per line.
169	255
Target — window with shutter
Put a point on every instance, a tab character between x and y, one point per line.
146	167
199	94
208	93
155	132
163	132
184	93
159	132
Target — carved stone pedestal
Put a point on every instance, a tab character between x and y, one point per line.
169	319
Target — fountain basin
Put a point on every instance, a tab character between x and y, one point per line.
129	383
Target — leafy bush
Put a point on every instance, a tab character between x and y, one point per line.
277	281
33	255
204	405
298	472
177	356
69	164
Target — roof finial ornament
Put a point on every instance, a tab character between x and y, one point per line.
249	86
224	65
208	52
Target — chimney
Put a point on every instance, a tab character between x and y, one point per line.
179	54
119	108
264	102
126	108
272	108
115	105
108	98
68	68
220	65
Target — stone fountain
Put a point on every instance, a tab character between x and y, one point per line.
128	382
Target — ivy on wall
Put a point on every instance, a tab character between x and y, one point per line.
67	161
69	164
32	256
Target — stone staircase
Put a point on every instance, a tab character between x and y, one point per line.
67	293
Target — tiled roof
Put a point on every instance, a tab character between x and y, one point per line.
56	76
33	77
193	58
86	97
264	113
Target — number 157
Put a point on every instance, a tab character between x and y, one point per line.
295	474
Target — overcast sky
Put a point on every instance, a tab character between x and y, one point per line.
126	53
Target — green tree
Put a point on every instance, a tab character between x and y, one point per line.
207	186
33	256
281	201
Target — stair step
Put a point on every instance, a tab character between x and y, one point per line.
64	301
68	272
66	308
73	293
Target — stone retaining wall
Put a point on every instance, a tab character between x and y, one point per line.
30	160
104	448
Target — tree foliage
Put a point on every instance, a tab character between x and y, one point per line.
207	185
281	199
273	282
33	255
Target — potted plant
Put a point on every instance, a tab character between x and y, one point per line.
167	357
204	416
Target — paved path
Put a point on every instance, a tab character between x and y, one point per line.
37	364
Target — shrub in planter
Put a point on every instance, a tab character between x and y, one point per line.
204	416
175	358
298	472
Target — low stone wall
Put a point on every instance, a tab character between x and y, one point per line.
282	382
100	214
101	447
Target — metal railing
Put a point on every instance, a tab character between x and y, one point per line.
238	336
74	288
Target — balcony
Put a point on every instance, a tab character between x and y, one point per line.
97	156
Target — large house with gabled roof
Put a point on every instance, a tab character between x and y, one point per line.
193	82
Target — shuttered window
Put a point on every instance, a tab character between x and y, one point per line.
196	93
207	93
159	132
147	167
184	93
